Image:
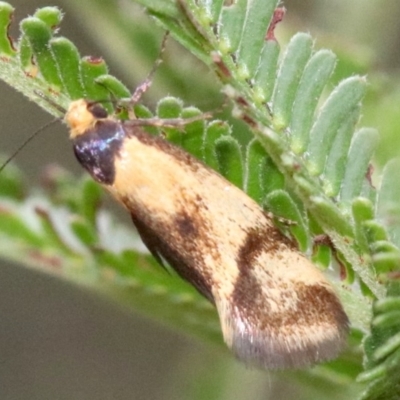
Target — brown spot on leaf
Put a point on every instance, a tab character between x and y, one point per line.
277	17
94	60
242	101
368	175
221	67
249	121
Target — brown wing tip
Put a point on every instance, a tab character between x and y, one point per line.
311	333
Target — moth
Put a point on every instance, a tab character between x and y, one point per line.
276	309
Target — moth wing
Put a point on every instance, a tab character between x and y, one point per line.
149	240
292	319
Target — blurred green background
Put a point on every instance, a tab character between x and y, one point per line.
58	342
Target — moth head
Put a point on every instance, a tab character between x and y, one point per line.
82	116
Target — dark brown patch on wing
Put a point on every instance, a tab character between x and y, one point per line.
181	243
321	306
260	239
288	338
283	338
165	246
148	239
247	287
186	225
313	303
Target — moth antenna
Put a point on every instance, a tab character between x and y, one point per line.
26	142
145	85
62	110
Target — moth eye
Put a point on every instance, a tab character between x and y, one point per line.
97	110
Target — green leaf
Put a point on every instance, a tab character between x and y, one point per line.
162	7
315	76
6	45
11	182
68	62
327	213
386	256
212	8
271	178
114	86
388	206
193	137
255	169
338	107
169	107
362	147
335	166
230	164
322	255
38	35
51	16
50	233
265	77
231	26
91	69
91	198
382	348
281	205
214	131
291	69
14	226
84	232
362	210
374	231
258	16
